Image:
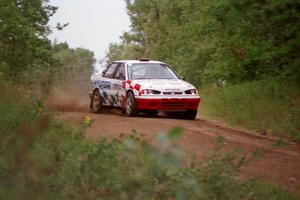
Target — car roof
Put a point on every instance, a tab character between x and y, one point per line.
139	61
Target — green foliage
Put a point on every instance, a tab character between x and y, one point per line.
43	158
73	61
122	52
280	143
74	70
259	39
26	54
24	45
211	41
267	106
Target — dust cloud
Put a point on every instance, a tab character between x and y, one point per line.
73	98
67	100
70	92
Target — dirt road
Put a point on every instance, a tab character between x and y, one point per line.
281	165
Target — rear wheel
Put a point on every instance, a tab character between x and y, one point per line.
131	110
96	103
190	114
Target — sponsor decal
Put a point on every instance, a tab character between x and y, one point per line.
137	87
113	101
129	82
124	85
132	86
104	85
117	86
105	95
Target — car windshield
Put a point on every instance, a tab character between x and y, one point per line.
150	71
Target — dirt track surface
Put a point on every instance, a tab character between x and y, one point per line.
281	165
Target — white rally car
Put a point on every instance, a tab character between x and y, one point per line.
143	86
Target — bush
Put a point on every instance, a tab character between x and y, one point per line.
262	105
42	157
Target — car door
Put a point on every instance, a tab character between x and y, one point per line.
106	85
118	92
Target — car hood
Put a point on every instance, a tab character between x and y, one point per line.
163	85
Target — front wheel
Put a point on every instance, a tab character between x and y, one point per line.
190	114
131	110
96	103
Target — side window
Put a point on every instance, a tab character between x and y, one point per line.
120	72
110	70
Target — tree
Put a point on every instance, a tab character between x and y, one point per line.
24	45
75	68
210	41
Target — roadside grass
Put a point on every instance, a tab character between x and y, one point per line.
269	107
42	157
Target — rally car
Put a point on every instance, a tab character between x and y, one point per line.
143	86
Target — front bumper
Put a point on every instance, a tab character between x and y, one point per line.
171	104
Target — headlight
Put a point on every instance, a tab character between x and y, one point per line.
148	91
192	91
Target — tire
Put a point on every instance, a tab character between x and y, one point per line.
190	114
96	103
131	110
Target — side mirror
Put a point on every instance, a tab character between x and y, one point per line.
182	78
